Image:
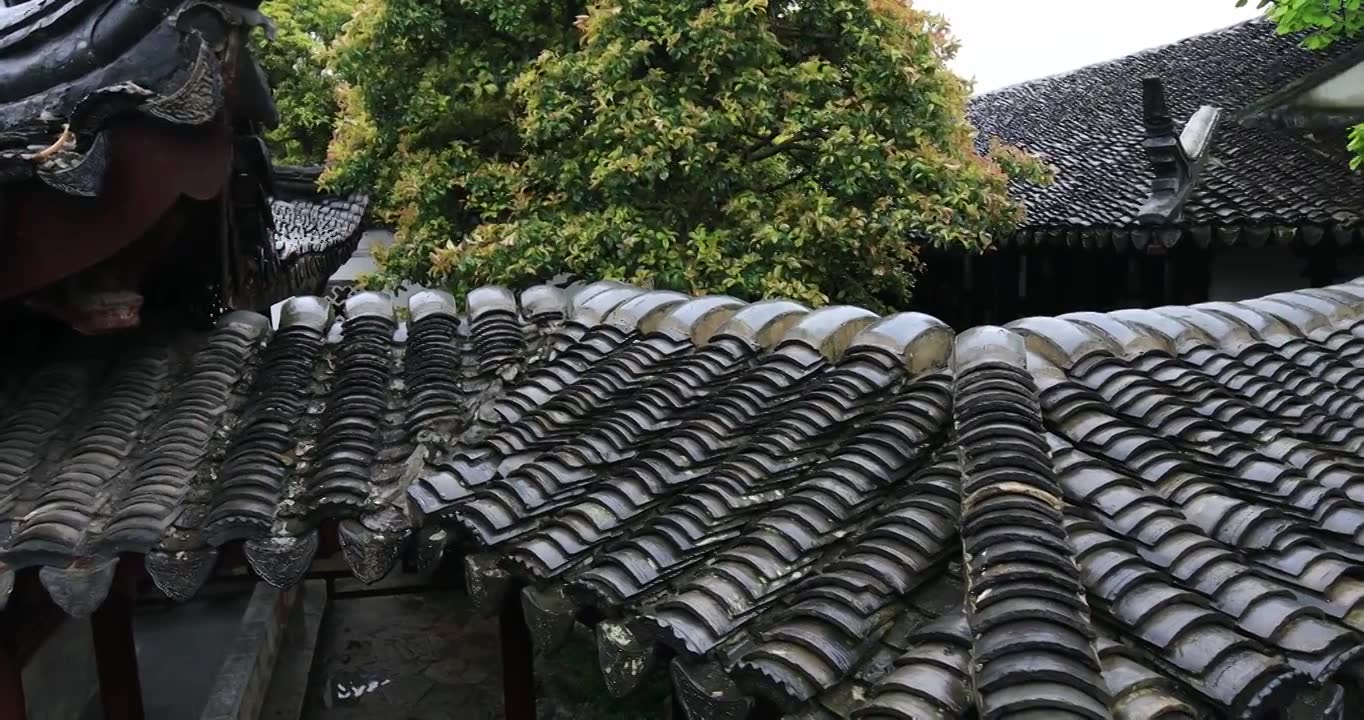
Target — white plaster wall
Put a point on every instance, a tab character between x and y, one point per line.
362	261
1342	92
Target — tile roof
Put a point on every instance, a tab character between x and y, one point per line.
1135	514
58	98
1088	124
308	220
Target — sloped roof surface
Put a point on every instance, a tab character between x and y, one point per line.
1120	515
1088	123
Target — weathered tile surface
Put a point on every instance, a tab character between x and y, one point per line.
1149	513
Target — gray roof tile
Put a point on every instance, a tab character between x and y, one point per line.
1090	516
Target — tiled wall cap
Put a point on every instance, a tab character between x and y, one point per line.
583	294
1300	321
764	323
255	323
1133	340
1045	373
985	345
697	319
1056	444
639	310
594	309
544	300
490	298
431	302
923	341
369	304
1347	303
1262	324
311	312
1181	335
1333	302
1347	292
1303	312
578	294
1063	343
1226	332
829	330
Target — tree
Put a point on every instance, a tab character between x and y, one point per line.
1324	22
804	149
296	63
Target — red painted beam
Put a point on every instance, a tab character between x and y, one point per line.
47	235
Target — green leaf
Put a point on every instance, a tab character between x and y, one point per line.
701	145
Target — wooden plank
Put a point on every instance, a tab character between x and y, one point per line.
244	677
120	686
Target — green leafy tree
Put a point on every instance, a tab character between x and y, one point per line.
296	63
805	149
1325	22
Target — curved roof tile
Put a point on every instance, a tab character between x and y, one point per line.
1101	515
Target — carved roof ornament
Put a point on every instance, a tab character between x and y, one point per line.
103	149
1176	158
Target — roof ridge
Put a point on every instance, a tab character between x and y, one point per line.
1145	51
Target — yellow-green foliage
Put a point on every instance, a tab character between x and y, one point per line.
296	63
805	149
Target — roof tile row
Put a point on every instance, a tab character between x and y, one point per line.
1097	515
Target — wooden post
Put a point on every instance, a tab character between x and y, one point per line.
1169	285
518	662
969	306
12	704
120	684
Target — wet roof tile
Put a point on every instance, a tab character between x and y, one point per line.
1090	516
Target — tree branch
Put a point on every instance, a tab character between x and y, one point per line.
773	150
782	29
787	182
797	142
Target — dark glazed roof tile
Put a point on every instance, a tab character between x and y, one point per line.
1137	514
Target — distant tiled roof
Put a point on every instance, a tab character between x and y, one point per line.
1130	514
1088	124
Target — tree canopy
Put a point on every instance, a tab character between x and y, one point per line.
296	61
806	149
1324	22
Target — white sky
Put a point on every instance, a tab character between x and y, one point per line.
1008	41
